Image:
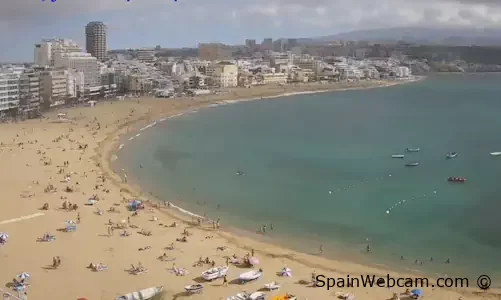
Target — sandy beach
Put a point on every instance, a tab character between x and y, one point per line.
50	162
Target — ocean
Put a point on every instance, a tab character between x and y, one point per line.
319	168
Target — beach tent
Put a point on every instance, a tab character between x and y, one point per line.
286	272
4	236
417	292
135	204
24	276
70	226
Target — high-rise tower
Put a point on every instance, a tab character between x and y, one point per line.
95	40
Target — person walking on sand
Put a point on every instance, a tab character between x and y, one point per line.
252	252
321	249
314	278
225	281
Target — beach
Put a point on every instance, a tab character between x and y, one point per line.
50	162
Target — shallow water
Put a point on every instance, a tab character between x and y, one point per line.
318	168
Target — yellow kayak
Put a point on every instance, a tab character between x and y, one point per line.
284	297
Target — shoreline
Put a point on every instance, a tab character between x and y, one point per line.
249	237
34	152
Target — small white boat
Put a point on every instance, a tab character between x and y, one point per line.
239	296
257	296
215	273
451	154
398	156
413	149
495	153
251	275
412	164
194	288
143	294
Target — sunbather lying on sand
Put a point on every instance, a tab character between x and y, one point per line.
144	248
183	239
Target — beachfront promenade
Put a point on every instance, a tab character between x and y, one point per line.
54	164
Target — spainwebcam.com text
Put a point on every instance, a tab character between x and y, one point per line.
388	282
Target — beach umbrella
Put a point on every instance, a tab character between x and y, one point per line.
23	276
70	222
4	236
253	261
417	292
287	273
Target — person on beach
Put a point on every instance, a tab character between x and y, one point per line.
321	249
225	281
252	252
314	278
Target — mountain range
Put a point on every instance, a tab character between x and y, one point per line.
420	35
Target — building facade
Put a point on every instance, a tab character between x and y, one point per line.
53	87
82	62
9	92
146	55
29	90
95	40
214	51
46	52
223	74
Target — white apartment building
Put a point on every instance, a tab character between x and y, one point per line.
75	83
270	78
53	87
278	58
146	55
402	72
46	51
223	74
9	91
82	62
29	90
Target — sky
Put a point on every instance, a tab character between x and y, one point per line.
185	23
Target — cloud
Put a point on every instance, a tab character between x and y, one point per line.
337	14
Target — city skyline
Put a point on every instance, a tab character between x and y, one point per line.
25	22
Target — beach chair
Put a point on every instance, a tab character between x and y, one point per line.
101	267
272	286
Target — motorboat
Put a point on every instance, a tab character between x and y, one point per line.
194	288
412	164
240	173
456	179
215	273
451	154
249	276
413	149
143	294
257	296
495	153
239	296
398	156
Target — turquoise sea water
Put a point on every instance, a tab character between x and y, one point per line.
318	167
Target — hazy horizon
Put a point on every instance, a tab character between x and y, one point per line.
25	22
